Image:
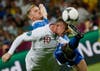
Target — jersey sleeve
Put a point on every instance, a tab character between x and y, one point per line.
34	35
63	40
28	36
16	43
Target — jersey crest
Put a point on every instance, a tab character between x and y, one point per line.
29	33
47	39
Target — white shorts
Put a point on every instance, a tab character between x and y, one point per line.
32	59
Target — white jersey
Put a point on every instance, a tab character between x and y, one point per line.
46	39
41	39
41	23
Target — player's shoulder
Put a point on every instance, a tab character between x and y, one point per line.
43	28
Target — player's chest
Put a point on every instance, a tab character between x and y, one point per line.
46	41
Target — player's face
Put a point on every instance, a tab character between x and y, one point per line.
60	28
35	13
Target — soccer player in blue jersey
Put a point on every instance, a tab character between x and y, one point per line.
67	53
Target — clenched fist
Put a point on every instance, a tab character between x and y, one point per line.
6	57
43	10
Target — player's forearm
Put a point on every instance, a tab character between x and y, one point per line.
15	44
43	10
73	44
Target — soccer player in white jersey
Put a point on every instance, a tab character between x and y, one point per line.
37	37
38	15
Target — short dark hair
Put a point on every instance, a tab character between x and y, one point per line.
61	20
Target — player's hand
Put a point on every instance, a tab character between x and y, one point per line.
6	57
43	10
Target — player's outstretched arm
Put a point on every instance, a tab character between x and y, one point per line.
43	10
75	30
28	36
15	44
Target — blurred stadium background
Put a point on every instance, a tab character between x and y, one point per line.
13	22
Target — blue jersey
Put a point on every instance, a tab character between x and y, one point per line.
74	58
40	23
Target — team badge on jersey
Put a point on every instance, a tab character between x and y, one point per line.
29	33
47	39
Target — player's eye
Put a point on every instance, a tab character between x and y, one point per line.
36	10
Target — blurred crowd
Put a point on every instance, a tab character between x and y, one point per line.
13	20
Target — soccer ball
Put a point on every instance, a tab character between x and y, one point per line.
70	14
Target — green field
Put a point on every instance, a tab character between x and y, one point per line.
46	63
94	67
